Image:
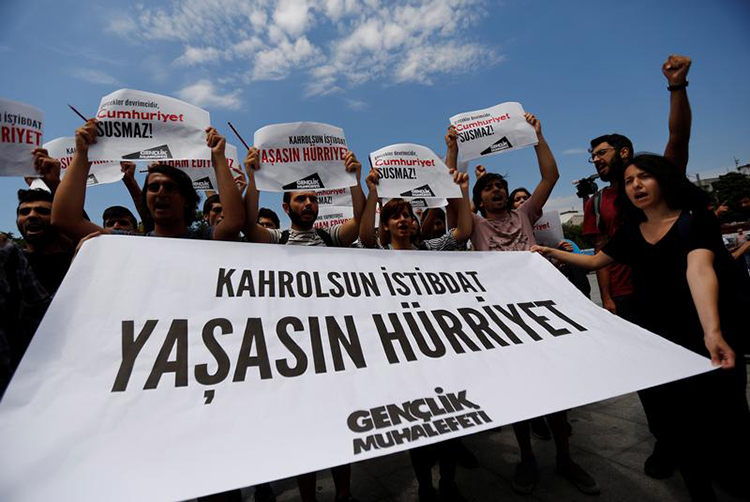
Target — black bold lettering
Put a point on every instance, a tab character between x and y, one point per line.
202	376
176	340
130	349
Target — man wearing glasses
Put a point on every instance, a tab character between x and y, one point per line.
611	154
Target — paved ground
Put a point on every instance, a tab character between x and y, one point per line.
610	439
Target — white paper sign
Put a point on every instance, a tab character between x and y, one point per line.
20	132
412	171
548	229
137	125
187	380
202	171
493	130
301	156
338	197
102	171
329	216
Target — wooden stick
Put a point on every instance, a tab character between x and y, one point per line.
238	135
78	113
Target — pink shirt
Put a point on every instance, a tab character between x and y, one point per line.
514	231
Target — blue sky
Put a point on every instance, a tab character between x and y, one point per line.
391	72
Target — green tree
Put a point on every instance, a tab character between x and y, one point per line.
731	187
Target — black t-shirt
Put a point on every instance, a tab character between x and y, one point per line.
662	296
50	269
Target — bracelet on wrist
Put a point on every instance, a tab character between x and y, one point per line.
678	87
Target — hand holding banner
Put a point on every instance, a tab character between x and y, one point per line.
412	171
301	156
137	125
20	132
493	130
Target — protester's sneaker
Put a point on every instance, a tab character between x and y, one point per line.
428	494
449	492
264	493
525	477
464	457
539	429
576	475
659	465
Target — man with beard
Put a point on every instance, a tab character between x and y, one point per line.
611	154
302	209
48	253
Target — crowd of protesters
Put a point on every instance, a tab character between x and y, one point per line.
660	262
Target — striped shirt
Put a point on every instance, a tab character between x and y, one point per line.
306	237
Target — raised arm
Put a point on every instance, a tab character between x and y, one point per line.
128	178
231	200
704	288
584	261
367	226
547	168
675	69
465	223
350	230
451	160
253	231
67	206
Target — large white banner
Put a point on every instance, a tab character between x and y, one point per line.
21	128
329	216
548	230
412	171
157	379
202	171
493	130
102	171
301	156
138	125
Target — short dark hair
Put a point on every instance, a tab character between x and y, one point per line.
676	188
264	212
209	203
118	212
617	141
287	197
184	184
484	181
33	195
392	208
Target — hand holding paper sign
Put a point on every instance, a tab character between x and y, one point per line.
85	137
491	131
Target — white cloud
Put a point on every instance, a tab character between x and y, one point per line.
335	44
198	55
356	105
292	16
574	151
94	76
204	93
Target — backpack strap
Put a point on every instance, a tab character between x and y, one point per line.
598	208
325	236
